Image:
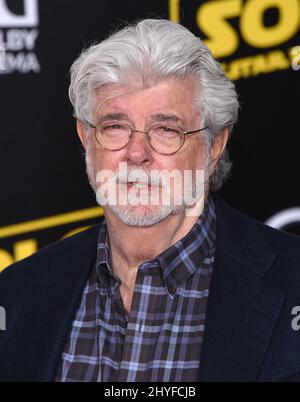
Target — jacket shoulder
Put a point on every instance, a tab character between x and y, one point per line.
278	238
270	253
38	264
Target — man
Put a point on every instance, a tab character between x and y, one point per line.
173	285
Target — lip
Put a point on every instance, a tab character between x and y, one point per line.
138	185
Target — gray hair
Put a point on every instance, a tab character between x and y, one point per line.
153	51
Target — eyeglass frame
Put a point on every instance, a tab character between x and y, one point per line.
185	133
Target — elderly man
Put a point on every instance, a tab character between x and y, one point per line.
173	285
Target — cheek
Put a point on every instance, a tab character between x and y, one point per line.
192	159
200	161
105	161
199	154
195	159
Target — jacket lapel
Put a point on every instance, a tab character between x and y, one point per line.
51	308
243	308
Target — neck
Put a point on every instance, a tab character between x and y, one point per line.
132	245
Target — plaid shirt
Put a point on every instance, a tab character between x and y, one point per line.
160	339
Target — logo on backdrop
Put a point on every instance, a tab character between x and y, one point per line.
18	35
285	219
264	28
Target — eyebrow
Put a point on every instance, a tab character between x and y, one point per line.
154	117
166	117
113	116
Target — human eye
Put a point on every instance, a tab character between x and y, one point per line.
113	128
166	131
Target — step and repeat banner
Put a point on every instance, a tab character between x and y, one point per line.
44	191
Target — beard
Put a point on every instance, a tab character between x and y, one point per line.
134	216
146	215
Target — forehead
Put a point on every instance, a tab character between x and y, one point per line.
171	96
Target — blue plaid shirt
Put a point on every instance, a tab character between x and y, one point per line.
160	339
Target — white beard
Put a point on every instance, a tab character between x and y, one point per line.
142	216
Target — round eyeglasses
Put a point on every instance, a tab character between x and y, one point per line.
163	139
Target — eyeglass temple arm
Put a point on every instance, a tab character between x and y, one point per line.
195	131
84	121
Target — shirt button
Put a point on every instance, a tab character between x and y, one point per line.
172	290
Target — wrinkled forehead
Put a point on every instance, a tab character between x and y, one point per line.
180	94
104	93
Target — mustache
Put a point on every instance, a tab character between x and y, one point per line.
138	175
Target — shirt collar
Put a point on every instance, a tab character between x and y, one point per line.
185	257
178	262
103	262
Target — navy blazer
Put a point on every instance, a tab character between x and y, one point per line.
248	337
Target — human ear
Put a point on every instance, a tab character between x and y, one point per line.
218	146
82	132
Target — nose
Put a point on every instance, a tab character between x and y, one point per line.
138	150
